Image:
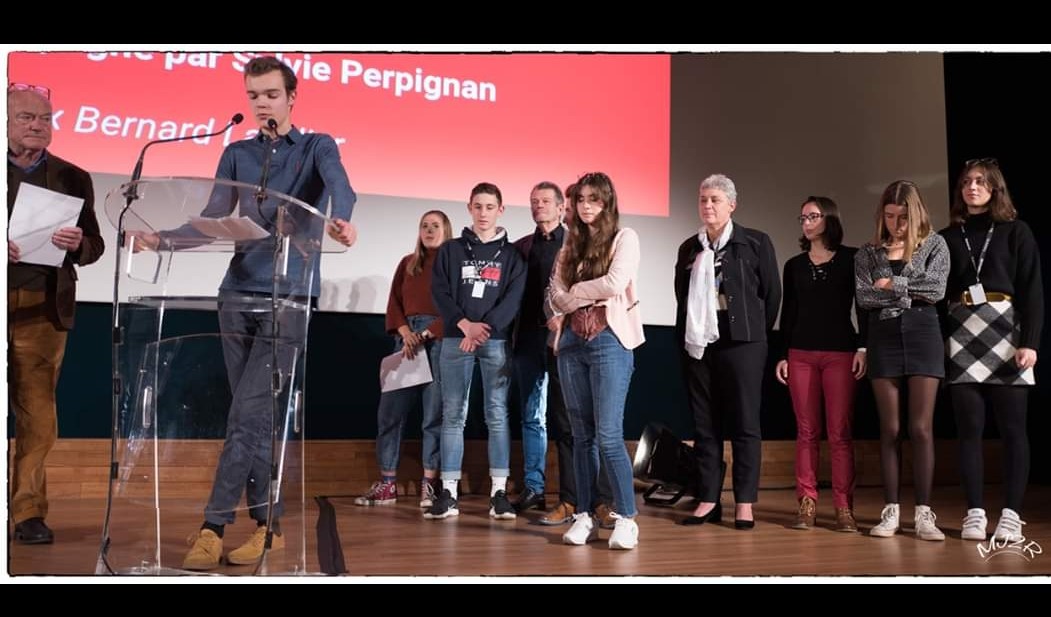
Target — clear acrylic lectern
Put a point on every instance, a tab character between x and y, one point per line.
175	403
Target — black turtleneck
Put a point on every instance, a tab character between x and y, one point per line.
1012	266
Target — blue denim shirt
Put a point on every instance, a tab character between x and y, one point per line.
307	167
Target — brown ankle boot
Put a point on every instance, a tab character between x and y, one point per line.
807	513
845	520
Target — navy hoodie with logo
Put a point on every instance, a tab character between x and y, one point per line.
478	281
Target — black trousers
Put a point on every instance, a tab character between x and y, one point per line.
561	432
724	390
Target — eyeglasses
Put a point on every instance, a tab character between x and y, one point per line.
813	217
988	162
43	91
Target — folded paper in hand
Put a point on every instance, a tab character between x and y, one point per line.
38	214
229	228
397	371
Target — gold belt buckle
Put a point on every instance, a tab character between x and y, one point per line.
992	296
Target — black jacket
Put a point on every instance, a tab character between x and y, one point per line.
750	281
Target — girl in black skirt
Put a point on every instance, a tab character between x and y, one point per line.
899	277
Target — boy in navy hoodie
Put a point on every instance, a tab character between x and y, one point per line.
478	282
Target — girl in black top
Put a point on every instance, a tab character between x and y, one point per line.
823	359
995	314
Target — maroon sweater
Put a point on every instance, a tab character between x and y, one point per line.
411	295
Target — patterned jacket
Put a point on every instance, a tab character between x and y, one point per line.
922	278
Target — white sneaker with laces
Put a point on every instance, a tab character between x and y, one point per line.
923	521
584	530
1009	527
889	522
974	525
625	533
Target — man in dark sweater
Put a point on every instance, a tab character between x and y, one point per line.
477	286
534	361
41	300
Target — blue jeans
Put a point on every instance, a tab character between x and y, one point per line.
595	378
245	463
457	370
532	374
396	405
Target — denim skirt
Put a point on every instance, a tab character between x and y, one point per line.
909	344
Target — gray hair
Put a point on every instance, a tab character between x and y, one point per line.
720	182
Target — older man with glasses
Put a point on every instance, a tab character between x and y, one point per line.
41	300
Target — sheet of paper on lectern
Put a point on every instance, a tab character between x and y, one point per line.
229	228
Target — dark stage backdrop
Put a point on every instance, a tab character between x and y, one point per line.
995	106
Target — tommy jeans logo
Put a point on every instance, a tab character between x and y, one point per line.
480	271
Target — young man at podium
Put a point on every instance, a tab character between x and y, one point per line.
308	167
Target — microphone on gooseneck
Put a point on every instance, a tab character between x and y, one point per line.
137	172
260	195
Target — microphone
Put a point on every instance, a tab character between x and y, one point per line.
137	172
260	194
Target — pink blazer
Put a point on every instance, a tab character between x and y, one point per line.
615	290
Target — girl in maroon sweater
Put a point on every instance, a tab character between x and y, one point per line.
413	320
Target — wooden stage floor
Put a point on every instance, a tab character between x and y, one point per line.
395	541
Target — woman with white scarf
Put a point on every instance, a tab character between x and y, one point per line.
728	293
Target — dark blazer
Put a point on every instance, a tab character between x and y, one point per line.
750	281
65	177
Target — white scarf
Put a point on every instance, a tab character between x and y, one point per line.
702	320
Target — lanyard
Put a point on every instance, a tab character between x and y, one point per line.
470	250
985	247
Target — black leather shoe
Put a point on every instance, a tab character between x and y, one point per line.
530	499
33	531
740	523
714	516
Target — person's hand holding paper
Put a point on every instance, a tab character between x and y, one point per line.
397	371
43	226
68	238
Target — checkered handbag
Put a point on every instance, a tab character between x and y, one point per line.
981	347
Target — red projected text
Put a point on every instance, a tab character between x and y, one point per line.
426	126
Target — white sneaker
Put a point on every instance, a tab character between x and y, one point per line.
584	530
1009	527
625	533
889	522
974	525
923	521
